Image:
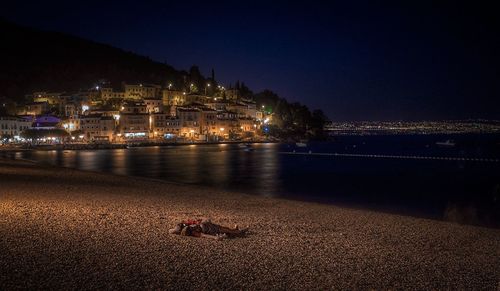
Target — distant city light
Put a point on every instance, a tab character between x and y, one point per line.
85	108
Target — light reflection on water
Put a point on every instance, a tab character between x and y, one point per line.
223	166
423	188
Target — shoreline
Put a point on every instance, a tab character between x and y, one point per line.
119	146
66	228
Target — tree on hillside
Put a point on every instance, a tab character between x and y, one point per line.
318	120
195	76
245	92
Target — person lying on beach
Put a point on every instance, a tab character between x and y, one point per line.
206	229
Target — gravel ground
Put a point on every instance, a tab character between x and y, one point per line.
67	229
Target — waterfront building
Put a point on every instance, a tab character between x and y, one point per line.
108	93
71	123
46	122
70	110
196	98
134	107
141	91
97	128
34	108
251	109
208	123
50	98
153	105
217	104
158	124
240	108
247	124
13	125
135	122
190	122
173	97
172	127
259	115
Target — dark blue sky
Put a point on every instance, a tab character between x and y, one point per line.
366	60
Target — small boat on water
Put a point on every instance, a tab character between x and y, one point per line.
447	143
301	144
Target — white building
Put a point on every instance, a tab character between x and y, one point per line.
13	126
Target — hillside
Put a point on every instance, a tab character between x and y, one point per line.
34	60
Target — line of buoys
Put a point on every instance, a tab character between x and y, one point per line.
310	153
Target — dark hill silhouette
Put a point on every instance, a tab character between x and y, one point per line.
33	60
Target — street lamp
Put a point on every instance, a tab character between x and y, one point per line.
208	85
192	135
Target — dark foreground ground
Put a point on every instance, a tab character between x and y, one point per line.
67	229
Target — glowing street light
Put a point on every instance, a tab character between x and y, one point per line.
208	85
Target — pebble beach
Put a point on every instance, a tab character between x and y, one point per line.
67	229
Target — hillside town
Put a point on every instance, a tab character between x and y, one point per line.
133	113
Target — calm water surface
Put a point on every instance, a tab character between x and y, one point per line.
462	191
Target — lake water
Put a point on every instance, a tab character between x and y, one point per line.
410	182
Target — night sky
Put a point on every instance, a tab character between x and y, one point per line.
358	61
